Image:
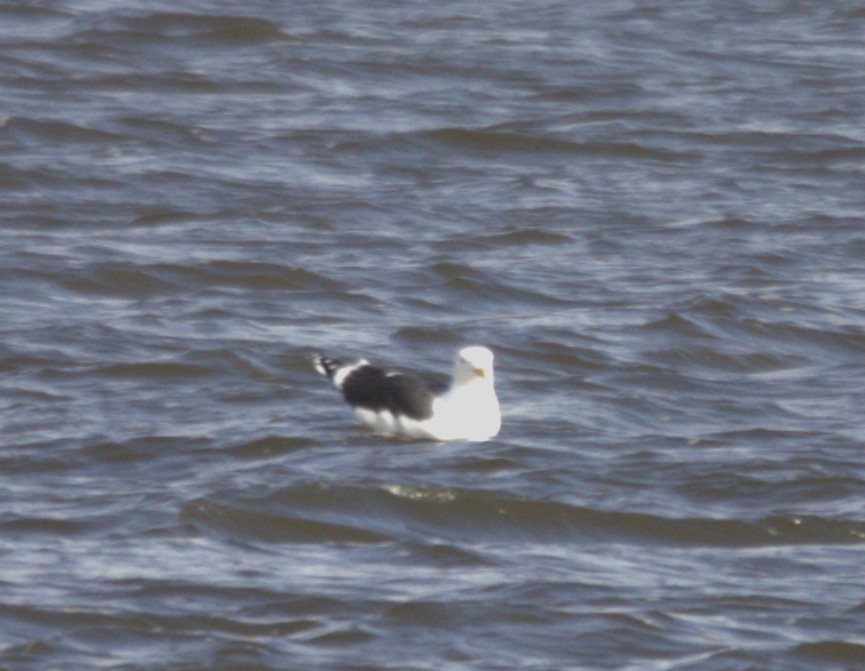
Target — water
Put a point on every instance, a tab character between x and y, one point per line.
651	212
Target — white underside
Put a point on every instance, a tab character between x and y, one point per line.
470	412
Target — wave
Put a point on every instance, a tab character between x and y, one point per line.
371	514
165	278
506	140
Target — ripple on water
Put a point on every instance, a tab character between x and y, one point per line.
464	518
143	280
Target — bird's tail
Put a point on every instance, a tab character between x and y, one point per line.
325	365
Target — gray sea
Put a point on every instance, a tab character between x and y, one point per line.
654	214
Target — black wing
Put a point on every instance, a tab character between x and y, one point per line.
374	388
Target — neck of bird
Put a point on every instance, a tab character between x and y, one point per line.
472	381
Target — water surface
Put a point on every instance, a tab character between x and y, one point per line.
653	215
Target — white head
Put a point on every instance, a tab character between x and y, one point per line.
473	363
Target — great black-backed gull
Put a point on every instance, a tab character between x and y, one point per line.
393	403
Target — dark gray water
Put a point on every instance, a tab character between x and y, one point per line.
652	212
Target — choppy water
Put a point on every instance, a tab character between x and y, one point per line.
653	212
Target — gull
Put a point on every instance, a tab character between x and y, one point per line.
396	404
